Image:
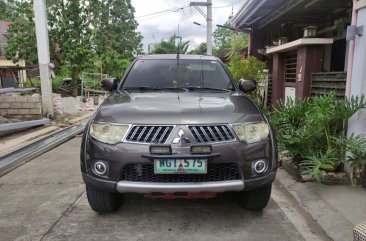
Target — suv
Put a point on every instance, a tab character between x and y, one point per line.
178	126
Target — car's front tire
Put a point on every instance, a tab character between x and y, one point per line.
102	201
255	199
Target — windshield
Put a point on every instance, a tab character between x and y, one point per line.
160	74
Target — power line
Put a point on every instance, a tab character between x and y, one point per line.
164	11
155	16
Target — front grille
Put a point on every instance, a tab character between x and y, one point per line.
215	173
149	134
212	133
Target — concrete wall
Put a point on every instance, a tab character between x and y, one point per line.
357	123
358	83
20	107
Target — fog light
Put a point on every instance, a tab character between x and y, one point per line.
161	150
259	166
201	149
100	168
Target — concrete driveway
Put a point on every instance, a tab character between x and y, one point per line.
45	200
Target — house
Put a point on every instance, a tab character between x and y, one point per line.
303	42
311	47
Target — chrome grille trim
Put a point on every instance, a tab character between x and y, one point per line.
216	133
147	134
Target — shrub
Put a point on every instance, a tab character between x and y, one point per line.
313	132
33	82
56	82
250	68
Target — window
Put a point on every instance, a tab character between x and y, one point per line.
177	73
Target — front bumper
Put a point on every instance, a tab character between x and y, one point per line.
149	187
120	155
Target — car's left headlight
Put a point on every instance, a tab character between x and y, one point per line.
108	133
252	132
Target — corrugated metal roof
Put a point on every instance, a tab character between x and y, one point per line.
254	10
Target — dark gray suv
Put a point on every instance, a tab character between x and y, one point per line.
177	126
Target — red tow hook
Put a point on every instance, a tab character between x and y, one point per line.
181	195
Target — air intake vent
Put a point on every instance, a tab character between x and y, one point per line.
215	172
212	133
149	134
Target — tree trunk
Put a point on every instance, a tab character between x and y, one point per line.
74	82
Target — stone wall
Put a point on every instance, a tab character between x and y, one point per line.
20	107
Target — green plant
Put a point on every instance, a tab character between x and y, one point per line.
315	164
92	82
250	68
33	82
317	125
289	121
56	83
355	147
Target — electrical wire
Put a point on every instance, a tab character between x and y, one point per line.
156	16
164	11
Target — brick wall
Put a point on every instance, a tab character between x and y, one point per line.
20	107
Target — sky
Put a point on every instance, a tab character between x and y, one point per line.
159	19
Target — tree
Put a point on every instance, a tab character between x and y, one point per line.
80	32
21	36
70	31
250	68
201	49
228	41
222	36
237	44
115	28
170	46
115	37
6	9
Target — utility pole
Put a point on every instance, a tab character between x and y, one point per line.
208	17
209	27
40	16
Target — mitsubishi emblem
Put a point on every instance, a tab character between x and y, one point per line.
180	138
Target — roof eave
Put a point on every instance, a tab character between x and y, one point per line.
246	11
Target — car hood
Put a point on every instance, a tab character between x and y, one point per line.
178	108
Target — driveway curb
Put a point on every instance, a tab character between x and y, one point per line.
335	225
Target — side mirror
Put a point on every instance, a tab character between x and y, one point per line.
247	85
109	84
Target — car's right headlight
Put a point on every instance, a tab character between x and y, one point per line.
108	132
252	132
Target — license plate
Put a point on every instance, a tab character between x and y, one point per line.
180	166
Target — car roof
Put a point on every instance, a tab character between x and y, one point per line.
174	56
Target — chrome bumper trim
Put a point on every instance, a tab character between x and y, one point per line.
149	187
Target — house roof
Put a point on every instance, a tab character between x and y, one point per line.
261	12
254	10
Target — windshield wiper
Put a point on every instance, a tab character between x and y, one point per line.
174	88
193	88
142	88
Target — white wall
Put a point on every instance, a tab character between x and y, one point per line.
357	123
358	83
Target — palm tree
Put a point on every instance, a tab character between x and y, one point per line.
170	46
